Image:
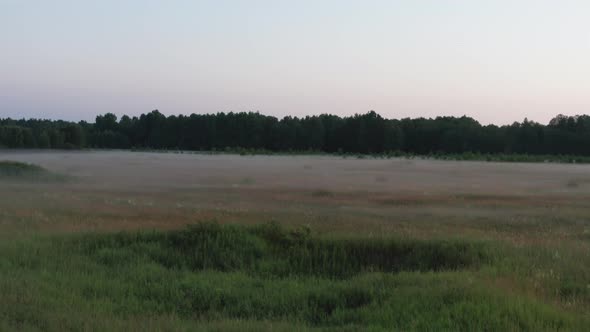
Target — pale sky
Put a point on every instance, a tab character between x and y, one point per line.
498	61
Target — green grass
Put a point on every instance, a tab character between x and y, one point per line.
214	277
17	171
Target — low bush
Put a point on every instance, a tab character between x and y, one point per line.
18	171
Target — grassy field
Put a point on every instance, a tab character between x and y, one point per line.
146	241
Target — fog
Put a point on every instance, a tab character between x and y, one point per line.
120	170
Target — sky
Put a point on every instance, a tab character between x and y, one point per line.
497	61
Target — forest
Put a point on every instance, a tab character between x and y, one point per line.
368	133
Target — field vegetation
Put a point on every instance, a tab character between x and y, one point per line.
211	274
143	241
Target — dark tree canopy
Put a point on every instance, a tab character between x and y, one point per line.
361	133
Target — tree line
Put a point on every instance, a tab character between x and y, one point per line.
361	133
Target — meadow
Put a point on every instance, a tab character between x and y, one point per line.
150	241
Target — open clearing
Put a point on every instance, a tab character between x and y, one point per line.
316	242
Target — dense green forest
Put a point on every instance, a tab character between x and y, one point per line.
361	133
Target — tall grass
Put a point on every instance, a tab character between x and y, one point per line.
269	250
219	277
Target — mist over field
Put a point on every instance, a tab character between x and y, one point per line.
130	171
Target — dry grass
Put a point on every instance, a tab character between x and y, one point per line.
120	191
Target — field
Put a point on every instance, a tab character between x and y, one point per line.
175	241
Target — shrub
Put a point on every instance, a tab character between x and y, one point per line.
18	171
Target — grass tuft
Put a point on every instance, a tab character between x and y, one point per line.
18	171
